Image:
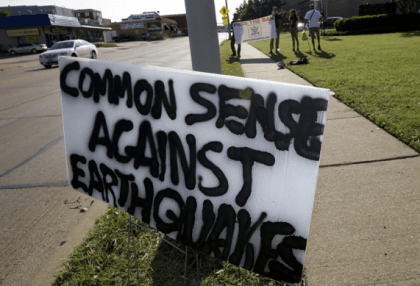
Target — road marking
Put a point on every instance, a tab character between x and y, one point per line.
27	76
48	94
45	185
40	151
116	57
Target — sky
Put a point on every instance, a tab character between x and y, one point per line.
116	10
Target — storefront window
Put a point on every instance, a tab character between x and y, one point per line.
90	36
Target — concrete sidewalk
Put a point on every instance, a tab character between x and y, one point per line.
365	222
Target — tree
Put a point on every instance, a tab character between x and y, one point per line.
406	6
257	8
4	13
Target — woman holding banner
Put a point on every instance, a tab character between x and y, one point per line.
294	19
277	20
232	40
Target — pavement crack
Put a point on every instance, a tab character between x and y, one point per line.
40	151
351	117
25	186
29	100
28	117
369	161
16	119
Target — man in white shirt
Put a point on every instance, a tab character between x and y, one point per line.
314	18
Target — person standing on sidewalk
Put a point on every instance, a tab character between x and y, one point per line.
232	40
314	18
278	21
294	19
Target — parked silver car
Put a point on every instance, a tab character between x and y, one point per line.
329	23
27	48
71	48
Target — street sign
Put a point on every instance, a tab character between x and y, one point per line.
225	22
224	11
227	165
224	18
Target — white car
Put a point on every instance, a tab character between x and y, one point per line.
71	48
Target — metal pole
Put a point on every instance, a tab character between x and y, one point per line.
185	266
128	258
204	40
135	252
326	9
228	20
155	234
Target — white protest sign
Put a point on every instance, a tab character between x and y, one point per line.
255	30
224	164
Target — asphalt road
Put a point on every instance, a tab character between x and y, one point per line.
37	208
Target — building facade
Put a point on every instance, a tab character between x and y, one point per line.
107	22
46	28
33	10
330	8
181	20
148	22
91	14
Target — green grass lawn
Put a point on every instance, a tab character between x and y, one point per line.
230	65
102	260
377	75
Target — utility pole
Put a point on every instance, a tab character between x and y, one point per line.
228	20
204	40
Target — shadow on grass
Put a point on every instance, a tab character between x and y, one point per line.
233	59
326	38
411	34
317	53
276	57
169	265
323	54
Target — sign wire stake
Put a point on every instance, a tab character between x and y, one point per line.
128	259
198	275
155	234
135	252
185	267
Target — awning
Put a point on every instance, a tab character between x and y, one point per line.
64	21
37	20
103	28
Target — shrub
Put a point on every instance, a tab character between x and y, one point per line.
379	8
399	22
105	45
377	30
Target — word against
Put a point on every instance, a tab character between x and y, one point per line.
255	30
223	164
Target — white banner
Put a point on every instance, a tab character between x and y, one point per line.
255	30
132	26
224	164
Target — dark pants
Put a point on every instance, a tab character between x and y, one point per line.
232	46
